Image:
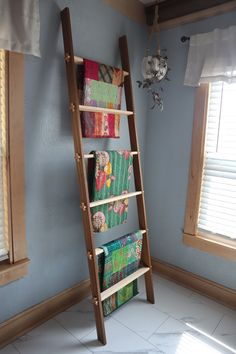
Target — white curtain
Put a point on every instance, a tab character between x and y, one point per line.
212	57
20	26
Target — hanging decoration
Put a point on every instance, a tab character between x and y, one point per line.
154	67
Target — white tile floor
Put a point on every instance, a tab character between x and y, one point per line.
181	322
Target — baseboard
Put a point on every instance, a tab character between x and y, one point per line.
36	315
217	292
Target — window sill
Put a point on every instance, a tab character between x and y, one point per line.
12	272
212	244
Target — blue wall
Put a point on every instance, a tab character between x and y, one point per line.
168	145
53	217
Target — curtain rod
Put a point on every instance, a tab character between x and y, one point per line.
184	39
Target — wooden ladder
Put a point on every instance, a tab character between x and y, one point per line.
85	204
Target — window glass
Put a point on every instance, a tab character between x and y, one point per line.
217	212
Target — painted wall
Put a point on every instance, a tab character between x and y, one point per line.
53	216
167	156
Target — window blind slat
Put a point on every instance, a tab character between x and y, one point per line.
219	180
217	211
220	185
221	198
218	215
223	206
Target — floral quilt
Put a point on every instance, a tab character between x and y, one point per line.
109	175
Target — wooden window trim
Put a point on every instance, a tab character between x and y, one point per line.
204	241
17	265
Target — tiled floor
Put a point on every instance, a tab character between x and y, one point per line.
181	322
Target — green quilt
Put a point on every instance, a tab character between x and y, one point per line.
109	175
120	258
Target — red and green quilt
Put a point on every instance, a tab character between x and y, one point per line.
120	258
109	175
102	87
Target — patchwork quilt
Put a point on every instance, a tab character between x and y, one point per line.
102	87
120	258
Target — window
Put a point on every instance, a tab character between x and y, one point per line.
4	237
217	212
13	257
210	218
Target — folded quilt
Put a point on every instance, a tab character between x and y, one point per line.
109	175
102	87
100	125
120	258
102	72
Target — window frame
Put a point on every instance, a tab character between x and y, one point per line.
17	265
204	241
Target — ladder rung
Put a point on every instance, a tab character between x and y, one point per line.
113	289
91	156
113	199
79	60
104	110
100	250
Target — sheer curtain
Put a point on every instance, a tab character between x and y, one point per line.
20	26
212	57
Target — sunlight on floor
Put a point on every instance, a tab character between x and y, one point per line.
197	345
196	341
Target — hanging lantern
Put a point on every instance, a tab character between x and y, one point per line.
154	67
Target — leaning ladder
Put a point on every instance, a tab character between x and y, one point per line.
85	204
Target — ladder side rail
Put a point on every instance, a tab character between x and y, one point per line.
146	259
81	173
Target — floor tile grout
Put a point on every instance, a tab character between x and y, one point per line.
218	323
16	348
132	330
73	334
158	327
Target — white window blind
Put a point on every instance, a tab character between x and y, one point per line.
217	212
4	247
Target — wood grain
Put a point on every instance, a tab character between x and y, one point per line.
81	172
104	110
16	154
114	199
113	289
17	265
14	271
196	160
213	245
172	9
